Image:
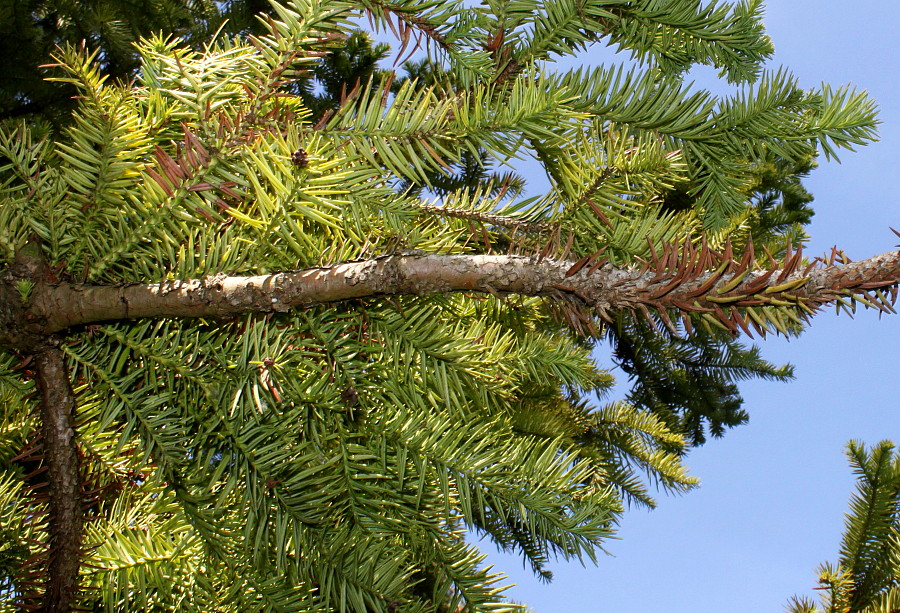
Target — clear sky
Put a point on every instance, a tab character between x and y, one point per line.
774	492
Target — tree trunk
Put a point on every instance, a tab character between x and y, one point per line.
64	509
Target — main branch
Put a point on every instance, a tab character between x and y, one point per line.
708	285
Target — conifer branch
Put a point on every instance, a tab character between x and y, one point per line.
684	281
489	218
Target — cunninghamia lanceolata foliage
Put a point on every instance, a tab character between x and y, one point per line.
866	573
731	292
296	380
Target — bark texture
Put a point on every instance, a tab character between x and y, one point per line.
64	512
684	285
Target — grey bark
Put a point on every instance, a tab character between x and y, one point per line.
54	308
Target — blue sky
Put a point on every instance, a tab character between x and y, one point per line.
774	492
